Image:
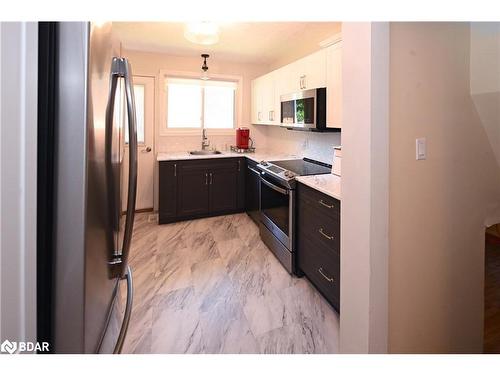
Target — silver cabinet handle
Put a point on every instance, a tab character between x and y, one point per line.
128	312
324	234
146	150
175	170
329	279
325	204
206	178
211	178
239	165
303	81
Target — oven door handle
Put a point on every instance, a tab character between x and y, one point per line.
274	187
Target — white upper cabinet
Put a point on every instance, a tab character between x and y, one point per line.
313	71
319	69
334	86
306	73
257	103
265	100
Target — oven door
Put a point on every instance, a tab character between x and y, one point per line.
276	206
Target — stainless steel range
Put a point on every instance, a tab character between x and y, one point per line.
277	204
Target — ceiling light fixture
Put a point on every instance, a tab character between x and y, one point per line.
206	33
204	67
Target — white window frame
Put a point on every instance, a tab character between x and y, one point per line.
163	115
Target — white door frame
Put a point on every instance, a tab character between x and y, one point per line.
365	184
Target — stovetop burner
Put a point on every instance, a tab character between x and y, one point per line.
303	167
285	171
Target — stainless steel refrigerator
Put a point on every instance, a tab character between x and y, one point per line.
90	92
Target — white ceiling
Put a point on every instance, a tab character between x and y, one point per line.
257	42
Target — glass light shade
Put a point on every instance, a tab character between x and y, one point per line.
204	75
205	33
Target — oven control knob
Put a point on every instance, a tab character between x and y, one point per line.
289	174
264	163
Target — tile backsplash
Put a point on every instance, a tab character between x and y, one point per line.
317	146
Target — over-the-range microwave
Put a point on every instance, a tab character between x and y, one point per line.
305	110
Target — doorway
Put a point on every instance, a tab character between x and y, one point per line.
144	92
491	340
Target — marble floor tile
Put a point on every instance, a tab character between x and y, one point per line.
264	312
292	339
212	286
222	228
173	270
176	323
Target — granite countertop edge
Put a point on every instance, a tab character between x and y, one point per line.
328	184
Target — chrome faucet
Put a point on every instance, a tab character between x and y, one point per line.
205	143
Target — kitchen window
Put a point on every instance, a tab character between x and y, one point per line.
193	104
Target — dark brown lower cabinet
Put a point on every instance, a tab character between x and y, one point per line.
318	241
252	191
223	182
190	189
167	179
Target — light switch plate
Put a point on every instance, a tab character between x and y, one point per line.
421	148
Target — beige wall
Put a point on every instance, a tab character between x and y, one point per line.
439	206
485	78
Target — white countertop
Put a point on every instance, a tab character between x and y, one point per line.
255	156
325	183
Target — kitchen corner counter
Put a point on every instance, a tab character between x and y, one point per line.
328	184
255	156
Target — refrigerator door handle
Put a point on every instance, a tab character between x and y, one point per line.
132	172
120	68
128	311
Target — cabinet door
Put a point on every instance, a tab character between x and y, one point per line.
334	86
223	181
252	192
314	70
294	74
257	101
254	102
241	167
192	190
268	99
167	210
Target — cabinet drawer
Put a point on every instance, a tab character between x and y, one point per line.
322	268
318	201
322	229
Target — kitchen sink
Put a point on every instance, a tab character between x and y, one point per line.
205	152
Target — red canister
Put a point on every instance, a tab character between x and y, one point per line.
242	136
